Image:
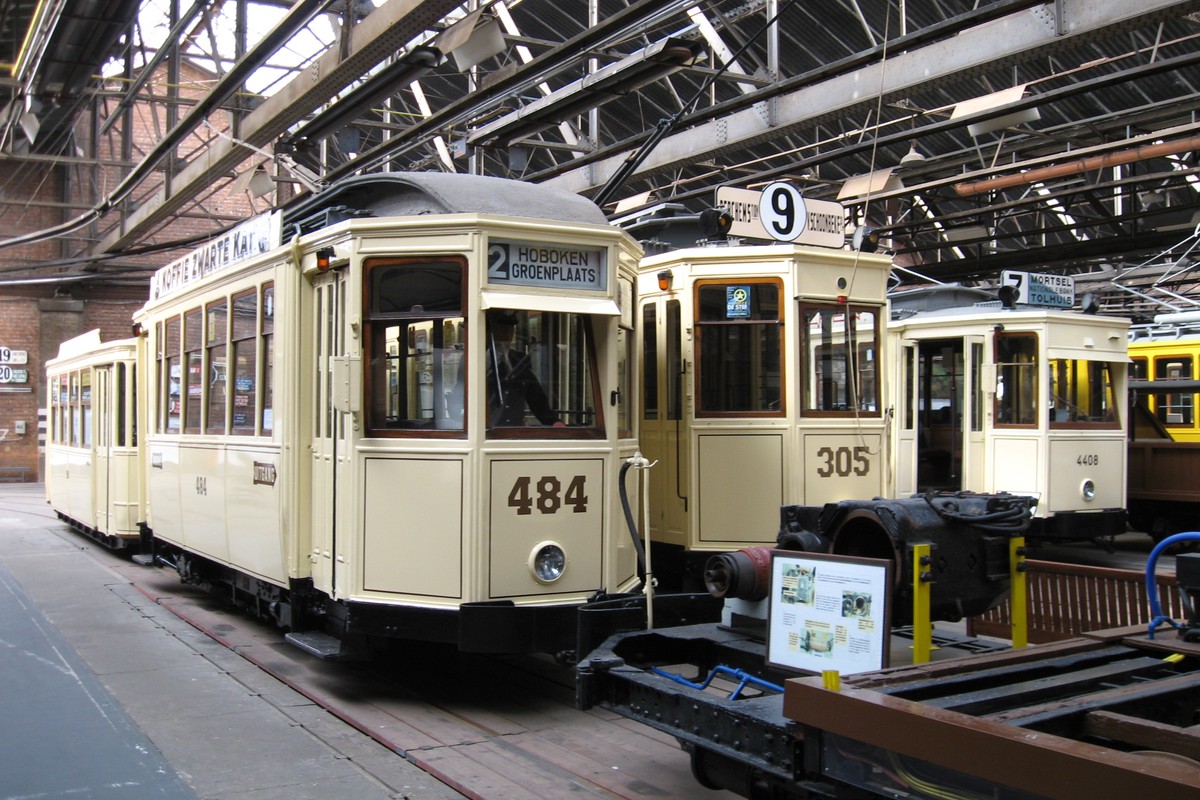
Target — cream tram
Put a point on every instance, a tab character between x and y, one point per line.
94	472
399	410
761	387
1015	398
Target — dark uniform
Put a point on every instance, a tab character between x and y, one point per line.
512	387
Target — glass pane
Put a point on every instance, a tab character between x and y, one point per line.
1174	408
1016	385
1081	392
739	345
539	370
841	361
244	361
418	345
85	402
674	360
268	337
173	410
626	358
649	362
218	319
193	333
417	378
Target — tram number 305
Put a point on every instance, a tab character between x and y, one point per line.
550	495
843	461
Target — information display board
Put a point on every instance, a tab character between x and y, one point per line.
828	612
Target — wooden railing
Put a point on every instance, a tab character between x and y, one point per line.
1066	600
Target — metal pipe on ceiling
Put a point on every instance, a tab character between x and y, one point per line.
1132	155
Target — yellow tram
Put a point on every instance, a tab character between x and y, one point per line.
93	466
1168	349
397	409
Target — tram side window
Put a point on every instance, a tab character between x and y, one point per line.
417	340
1081	392
1174	408
85	407
626	359
267	394
193	347
216	366
1016	382
740	364
171	373
841	361
62	395
649	361
76	427
674	360
243	359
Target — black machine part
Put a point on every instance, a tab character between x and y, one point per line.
969	535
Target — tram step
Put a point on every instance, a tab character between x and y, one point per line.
320	644
145	559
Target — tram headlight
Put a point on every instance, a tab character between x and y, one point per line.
1088	490
547	562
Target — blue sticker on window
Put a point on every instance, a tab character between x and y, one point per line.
737	301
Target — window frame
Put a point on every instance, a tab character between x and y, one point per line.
807	408
700	326
375	324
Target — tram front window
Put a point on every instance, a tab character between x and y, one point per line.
1016	383
1082	393
417	345
841	361
540	371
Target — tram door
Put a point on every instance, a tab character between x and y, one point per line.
663	434
101	424
905	420
329	446
948	414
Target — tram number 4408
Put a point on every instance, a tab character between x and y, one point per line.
843	461
548	495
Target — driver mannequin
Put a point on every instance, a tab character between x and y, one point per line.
511	383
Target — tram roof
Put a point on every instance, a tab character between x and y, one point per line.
397	194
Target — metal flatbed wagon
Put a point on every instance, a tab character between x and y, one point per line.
1109	714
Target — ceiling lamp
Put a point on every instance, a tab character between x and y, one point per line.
620	78
870	184
992	105
913	157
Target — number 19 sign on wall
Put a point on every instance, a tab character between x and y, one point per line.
782	213
8	357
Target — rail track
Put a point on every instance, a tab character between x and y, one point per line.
493	728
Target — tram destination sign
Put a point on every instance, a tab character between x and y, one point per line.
782	213
1039	289
546	265
246	240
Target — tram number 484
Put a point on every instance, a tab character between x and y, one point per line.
548	495
843	461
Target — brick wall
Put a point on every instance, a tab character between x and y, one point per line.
37	318
36	321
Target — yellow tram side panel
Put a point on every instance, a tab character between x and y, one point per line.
431	519
720	480
1049	462
1171	358
92	456
233	499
